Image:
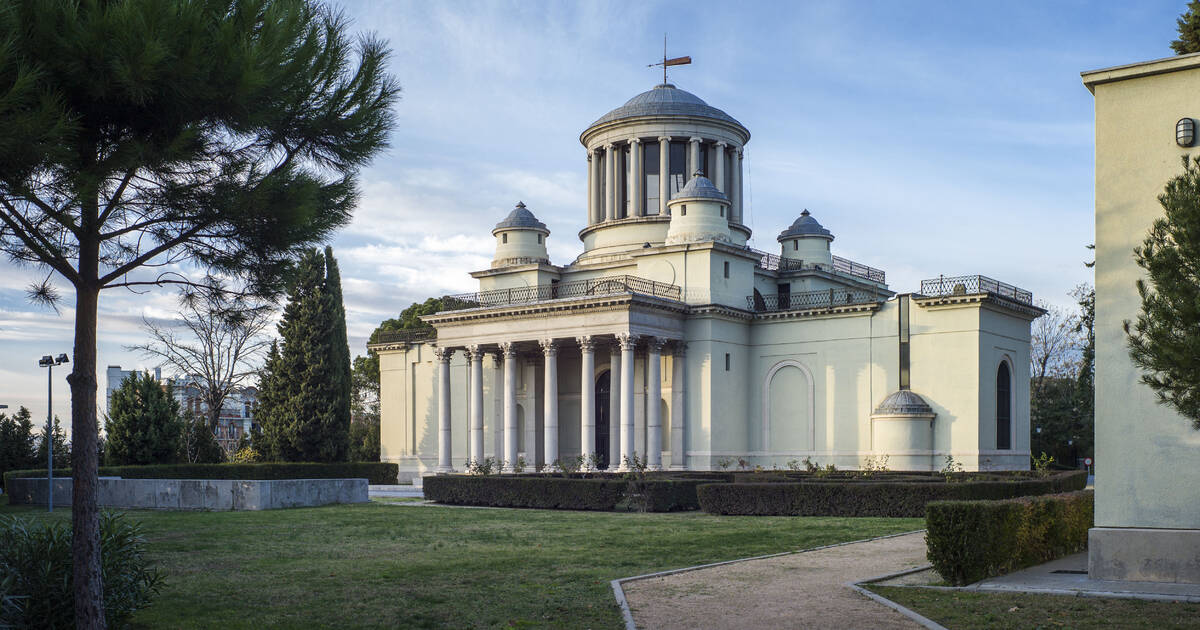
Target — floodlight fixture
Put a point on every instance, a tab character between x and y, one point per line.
62	358
46	361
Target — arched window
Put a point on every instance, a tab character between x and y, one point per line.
1003	407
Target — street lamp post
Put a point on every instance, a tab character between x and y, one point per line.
49	362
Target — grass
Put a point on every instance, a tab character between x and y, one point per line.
968	611
377	565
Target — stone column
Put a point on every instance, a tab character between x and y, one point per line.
443	358
610	182
510	405
628	343
735	187
664	175
614	407
637	175
475	356
693	158
719	181
498	405
678	405
550	406
654	404
592	183
587	400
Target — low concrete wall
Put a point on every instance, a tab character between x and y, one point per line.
198	494
1144	555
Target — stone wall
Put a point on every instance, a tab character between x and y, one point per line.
198	494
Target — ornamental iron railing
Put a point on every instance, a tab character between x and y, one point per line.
845	266
519	260
408	335
596	287
973	285
828	298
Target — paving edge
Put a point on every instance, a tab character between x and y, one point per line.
907	612
619	592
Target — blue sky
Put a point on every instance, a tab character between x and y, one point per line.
930	137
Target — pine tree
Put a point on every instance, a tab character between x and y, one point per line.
17	450
62	447
143	423
304	402
1189	30
1164	340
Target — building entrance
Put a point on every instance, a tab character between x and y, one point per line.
603	386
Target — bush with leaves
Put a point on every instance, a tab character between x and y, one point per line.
35	572
143	424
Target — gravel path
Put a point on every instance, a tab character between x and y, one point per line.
802	590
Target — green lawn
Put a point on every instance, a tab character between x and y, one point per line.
968	611
379	565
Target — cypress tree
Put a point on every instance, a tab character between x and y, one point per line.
304	403
143	423
17	441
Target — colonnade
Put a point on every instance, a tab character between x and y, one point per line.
604	198
622	404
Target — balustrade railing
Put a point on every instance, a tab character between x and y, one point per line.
408	335
971	285
775	262
596	287
827	298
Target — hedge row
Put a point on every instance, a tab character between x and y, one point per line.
968	541
868	498
562	493
376	472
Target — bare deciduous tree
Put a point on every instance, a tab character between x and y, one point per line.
215	344
1054	345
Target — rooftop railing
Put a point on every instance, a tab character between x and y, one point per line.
774	262
408	335
596	287
972	285
828	298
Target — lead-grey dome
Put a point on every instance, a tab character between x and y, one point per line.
806	225
665	100
903	403
701	187
519	218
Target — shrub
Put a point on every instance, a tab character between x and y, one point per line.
375	472
608	493
889	495
968	541
246	455
36	577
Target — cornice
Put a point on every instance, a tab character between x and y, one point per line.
517	311
996	302
848	309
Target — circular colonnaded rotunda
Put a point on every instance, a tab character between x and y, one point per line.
670	340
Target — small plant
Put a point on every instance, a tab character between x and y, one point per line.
743	465
519	465
827	471
724	463
485	466
635	466
874	464
951	468
794	464
810	465
589	462
1041	465
246	455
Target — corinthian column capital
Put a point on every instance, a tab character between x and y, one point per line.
443	354
628	341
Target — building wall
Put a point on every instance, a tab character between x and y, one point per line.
1145	453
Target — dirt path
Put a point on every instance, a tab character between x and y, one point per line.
803	590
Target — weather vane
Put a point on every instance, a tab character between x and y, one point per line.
678	61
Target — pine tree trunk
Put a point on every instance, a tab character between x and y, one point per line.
85	516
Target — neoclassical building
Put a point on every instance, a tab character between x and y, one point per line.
670	339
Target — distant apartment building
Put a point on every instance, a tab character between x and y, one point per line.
237	413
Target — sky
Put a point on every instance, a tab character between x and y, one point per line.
930	137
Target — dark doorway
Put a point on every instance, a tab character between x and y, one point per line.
603	386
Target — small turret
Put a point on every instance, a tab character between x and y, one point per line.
520	239
808	241
700	212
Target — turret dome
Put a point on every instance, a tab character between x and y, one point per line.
904	402
665	100
700	187
805	226
520	218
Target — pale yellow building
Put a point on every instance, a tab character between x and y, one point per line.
669	339
1148	457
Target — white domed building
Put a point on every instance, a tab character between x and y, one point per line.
669	339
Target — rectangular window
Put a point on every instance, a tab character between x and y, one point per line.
785	296
623	181
504	238
728	174
539	239
727	269
677	166
722	211
703	164
651	161
726	361
683	210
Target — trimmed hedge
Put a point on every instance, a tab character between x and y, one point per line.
375	472
607	494
898	498
968	541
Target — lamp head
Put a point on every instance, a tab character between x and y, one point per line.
62	358
46	361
